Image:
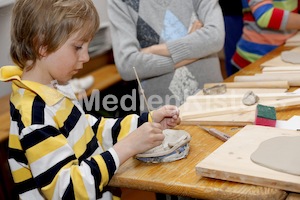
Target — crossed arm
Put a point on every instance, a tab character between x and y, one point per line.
162	49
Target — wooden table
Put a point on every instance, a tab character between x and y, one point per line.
180	178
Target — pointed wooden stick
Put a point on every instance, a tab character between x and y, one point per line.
142	91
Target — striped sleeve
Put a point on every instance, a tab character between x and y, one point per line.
267	15
56	160
57	171
109	131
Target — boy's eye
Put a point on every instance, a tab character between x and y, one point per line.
78	47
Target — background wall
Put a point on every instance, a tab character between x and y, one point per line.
101	6
5	18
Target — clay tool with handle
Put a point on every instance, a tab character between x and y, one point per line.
142	91
216	133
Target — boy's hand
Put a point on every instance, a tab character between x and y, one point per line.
145	137
167	116
148	135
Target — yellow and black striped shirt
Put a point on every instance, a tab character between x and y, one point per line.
56	151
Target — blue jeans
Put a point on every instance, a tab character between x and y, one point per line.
233	32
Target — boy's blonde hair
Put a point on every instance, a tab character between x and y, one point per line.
48	24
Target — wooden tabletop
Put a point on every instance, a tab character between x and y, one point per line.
4	117
255	67
180	178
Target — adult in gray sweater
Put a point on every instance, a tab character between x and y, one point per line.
173	45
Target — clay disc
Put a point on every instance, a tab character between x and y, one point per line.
290	57
280	154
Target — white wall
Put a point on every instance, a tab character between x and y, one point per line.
5	18
101	6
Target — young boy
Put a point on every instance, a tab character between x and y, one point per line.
56	151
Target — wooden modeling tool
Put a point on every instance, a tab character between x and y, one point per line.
142	91
214	132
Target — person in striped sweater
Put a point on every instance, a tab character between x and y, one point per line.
56	151
267	25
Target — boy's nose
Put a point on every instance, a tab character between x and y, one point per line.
84	57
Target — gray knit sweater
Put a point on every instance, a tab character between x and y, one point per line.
137	24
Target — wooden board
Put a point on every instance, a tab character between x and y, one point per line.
294	40
234	119
231	161
277	61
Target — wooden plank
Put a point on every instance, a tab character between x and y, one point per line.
232	119
294	40
265	84
281	72
236	109
293	79
231	161
277	61
279	69
235	91
229	119
238	97
4	128
4	102
4	118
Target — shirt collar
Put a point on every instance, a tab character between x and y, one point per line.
50	95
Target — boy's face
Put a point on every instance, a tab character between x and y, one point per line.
64	63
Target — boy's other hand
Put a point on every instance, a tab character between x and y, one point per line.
167	116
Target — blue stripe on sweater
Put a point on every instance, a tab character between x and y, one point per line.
110	163
96	125
18	155
96	174
143	118
38	136
116	130
90	149
16	116
38	111
69	192
71	121
259	49
25	186
47	177
262	10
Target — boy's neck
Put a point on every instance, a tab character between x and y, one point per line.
36	75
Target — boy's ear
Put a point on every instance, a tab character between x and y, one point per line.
43	51
38	43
